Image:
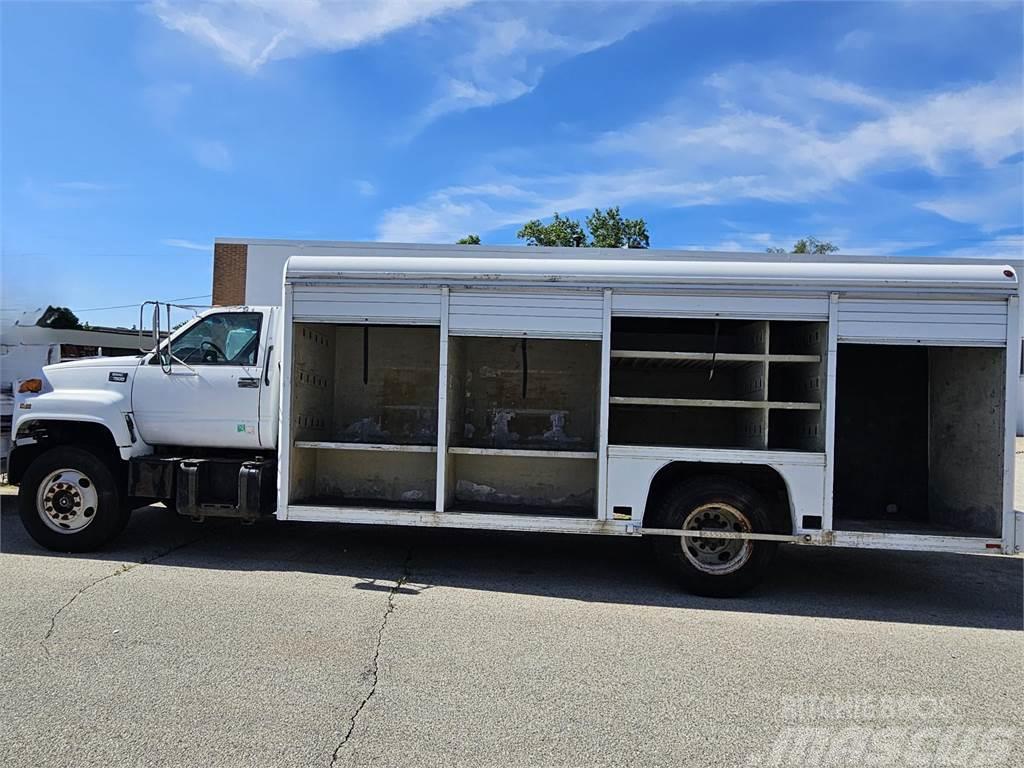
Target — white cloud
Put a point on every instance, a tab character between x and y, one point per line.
64	194
213	155
452	211
993	205
984	122
489	55
700	154
504	57
789	91
249	33
1008	247
796	157
365	188
190	245
443	217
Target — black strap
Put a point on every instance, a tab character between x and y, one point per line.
526	374
366	353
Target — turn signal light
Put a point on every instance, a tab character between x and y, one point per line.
31	385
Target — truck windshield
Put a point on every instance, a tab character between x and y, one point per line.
229	338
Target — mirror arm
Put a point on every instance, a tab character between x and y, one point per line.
175	357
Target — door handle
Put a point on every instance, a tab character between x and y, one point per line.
249	382
266	365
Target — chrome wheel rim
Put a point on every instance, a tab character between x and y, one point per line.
67	501
713	555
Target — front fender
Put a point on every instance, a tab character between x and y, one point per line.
108	408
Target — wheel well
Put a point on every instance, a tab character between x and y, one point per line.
48	433
764	479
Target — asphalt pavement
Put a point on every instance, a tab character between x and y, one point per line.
311	645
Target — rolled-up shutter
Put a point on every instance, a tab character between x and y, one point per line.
916	321
369	304
567	315
687	305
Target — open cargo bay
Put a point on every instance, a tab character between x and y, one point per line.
539	403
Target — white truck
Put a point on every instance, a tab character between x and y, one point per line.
719	404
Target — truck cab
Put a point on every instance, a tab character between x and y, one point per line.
184	423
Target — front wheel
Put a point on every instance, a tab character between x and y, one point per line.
714	567
70	501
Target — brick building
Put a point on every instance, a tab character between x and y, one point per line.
229	266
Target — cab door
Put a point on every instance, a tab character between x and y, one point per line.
206	390
270	384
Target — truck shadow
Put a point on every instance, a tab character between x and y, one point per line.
905	587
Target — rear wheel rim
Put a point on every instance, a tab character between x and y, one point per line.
67	501
716	556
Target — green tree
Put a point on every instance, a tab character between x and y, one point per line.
809	245
605	229
468	240
561	232
59	317
609	230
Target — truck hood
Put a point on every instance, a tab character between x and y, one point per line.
93	373
97	390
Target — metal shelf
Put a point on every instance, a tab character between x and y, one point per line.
523	452
390	447
659	359
684	402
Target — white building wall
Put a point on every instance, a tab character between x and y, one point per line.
264	273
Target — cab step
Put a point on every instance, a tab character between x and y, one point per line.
214	487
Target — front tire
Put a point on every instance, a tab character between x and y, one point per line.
70	500
708	566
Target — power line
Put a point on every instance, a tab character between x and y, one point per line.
134	306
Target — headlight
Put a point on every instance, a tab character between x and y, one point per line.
30	385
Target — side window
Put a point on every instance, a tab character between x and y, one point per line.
229	338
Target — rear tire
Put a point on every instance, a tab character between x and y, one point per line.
708	566
70	500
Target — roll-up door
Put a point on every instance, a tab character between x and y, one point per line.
566	315
916	321
738	307
370	304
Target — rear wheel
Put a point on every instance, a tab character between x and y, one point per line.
70	500
715	567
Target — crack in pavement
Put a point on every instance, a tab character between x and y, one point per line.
374	669
123	568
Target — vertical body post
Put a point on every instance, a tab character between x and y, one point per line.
1013	344
442	406
602	407
830	409
284	440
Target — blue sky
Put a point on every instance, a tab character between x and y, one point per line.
133	134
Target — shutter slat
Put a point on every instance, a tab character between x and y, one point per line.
526	313
981	323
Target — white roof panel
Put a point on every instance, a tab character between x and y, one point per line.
772	276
